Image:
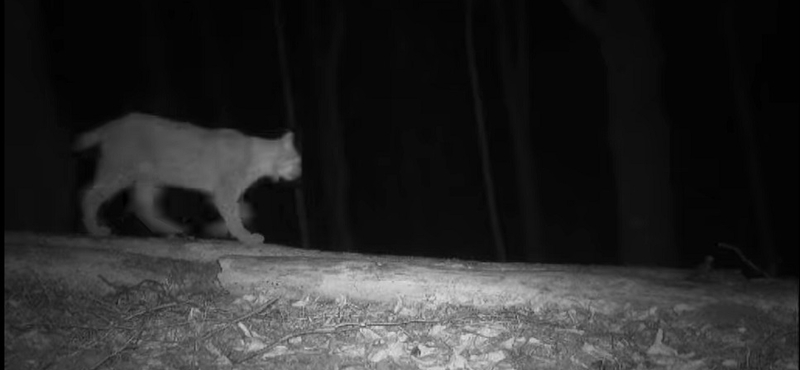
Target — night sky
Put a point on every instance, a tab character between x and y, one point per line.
408	119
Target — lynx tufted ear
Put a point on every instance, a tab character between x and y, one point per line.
288	139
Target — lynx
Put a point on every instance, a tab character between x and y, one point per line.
146	153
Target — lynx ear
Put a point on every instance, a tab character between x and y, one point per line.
288	139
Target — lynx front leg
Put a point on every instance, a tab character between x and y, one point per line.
228	207
220	230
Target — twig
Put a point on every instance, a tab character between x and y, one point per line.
744	258
237	319
339	328
151	310
118	351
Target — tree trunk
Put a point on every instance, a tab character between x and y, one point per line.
154	54
215	73
39	181
747	132
486	162
639	133
516	89
291	121
326	52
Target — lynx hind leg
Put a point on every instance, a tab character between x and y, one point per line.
102	190
145	202
229	209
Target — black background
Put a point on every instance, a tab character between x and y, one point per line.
408	118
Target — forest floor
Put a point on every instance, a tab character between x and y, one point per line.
157	325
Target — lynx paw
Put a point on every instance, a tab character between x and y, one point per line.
99	231
253	238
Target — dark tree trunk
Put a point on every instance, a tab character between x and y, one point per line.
639	133
514	72
327	45
39	182
215	70
288	97
154	54
747	124
486	163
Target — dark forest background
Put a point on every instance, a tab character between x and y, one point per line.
613	132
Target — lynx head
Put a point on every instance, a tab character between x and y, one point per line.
288	166
277	159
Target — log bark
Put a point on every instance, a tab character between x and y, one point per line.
101	264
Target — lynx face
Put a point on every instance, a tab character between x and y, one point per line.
146	153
